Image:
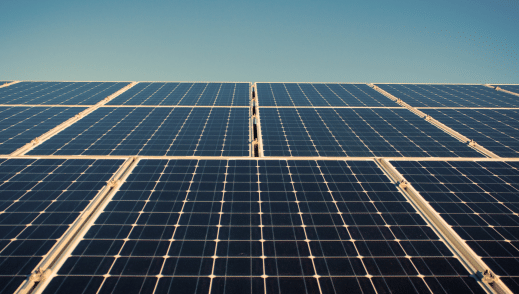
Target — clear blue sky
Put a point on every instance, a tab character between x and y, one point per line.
455	41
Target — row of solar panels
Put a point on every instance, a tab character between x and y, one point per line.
240	226
90	93
270	94
224	131
280	225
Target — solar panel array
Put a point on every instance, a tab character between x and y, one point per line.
63	93
495	129
40	199
480	201
382	132
304	94
155	131
20	125
201	94
430	95
160	187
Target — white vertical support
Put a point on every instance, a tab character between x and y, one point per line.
251	120
471	143
396	99
258	123
9	84
122	90
49	266
473	263
38	140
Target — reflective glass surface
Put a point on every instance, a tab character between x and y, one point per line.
39	200
64	93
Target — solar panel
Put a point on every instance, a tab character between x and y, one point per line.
230	226
20	125
59	93
355	132
495	129
313	94
428	95
154	131
190	94
39	199
480	201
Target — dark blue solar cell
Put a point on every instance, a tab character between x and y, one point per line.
64	93
20	125
40	200
154	131
189	94
495	129
430	95
313	94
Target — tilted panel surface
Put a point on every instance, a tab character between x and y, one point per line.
65	93
480	200
190	94
496	130
511	88
264	226
154	131
20	125
313	94
426	95
39	200
355	132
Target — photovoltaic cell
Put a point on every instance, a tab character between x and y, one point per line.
355	132
20	125
272	226
427	95
313	94
39	199
480	200
496	130
154	131
191	94
64	93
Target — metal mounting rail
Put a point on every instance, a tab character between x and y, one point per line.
9	84
471	143
122	90
259	138
497	88
478	269
51	263
38	140
252	113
